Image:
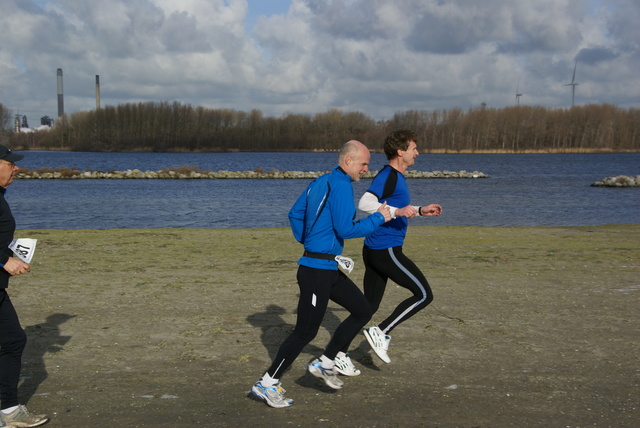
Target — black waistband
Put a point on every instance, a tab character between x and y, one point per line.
322	256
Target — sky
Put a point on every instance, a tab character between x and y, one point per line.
378	57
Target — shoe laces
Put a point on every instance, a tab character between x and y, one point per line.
275	392
324	371
21	413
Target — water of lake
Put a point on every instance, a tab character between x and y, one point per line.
522	190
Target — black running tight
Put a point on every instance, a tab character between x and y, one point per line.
12	343
391	263
317	287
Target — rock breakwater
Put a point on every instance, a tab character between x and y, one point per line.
618	181
182	173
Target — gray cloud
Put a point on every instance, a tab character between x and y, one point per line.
595	55
374	56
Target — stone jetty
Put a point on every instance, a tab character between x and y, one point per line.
182	173
618	181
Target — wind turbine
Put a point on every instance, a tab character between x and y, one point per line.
518	94
573	83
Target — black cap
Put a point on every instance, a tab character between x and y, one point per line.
8	155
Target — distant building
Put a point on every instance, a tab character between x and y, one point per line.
46	121
25	124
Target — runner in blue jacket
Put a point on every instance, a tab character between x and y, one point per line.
382	251
321	219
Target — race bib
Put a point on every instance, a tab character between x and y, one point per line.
23	248
345	263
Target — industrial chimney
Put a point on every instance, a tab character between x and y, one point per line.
60	96
97	92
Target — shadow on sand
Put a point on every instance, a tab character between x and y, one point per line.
41	338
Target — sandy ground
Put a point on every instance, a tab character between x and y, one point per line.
530	327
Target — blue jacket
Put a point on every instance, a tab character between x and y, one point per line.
389	186
324	216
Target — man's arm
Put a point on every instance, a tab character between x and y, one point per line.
296	217
369	203
343	215
430	210
16	266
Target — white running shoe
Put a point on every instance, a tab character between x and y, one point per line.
273	395
21	417
329	376
345	366
379	342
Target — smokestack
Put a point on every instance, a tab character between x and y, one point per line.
97	92
60	96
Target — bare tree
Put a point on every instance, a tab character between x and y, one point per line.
172	126
5	123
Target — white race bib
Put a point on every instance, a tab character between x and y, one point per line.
345	263
23	248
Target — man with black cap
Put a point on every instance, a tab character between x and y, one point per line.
12	336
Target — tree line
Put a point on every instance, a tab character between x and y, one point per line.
174	126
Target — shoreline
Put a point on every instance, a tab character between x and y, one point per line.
437	151
421	228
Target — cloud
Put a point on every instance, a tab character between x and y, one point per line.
373	56
595	55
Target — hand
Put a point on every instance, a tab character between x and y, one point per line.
384	210
431	210
408	212
16	266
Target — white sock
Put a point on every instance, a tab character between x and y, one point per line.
268	381
342	354
326	363
9	410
